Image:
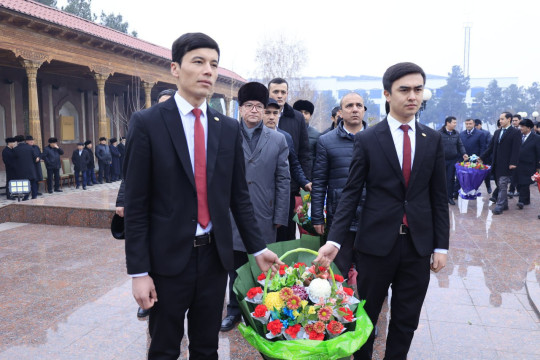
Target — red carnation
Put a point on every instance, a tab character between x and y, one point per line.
282	269
253	292
298	264
334	327
275	327
348	313
348	291
260	311
316	336
339	278
292	331
261	277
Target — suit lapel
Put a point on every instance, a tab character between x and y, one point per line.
173	122
212	144
386	143
419	152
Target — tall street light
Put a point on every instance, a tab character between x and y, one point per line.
535	115
426	98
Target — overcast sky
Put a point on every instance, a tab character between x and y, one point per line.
359	37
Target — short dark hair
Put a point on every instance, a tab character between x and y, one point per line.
537	124
449	119
527	122
469	120
507	115
335	111
189	42
278	81
103	138
517	116
398	71
166	92
477	122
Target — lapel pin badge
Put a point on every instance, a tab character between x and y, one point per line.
216	118
423	134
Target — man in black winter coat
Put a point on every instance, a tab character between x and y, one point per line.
454	151
37	156
51	156
8	156
103	153
307	108
91	168
529	161
331	171
25	168
80	159
293	122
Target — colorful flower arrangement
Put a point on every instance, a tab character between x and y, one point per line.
536	178
471	174
303	215
302	302
474	162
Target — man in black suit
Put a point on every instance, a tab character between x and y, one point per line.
487	139
504	149
184	169
293	122
81	160
404	223
38	156
8	156
25	168
529	161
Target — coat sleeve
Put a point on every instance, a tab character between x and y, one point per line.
304	155
60	151
461	148
352	192
439	205
74	158
320	184
516	144
282	184
240	204
120	196
138	170
489	150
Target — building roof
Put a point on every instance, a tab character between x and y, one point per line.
64	19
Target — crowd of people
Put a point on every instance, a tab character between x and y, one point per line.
23	160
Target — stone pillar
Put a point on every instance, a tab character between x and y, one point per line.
147	92
102	112
228	110
33	105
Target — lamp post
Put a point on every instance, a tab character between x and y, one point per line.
425	99
535	115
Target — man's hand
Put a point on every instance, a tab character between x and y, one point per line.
308	187
277	226
144	291
465	157
327	254
439	261
268	259
512	167
319	229
120	211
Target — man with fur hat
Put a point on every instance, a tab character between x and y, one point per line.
37	155
25	168
91	168
268	178
51	156
306	108
8	156
103	153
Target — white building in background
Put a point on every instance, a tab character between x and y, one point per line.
372	86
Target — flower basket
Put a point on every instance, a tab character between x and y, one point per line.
470	178
340	345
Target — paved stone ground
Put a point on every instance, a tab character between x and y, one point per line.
65	294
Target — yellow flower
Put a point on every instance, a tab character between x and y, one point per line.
295	313
304	303
273	301
311	310
307	197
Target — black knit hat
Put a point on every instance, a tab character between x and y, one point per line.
19	138
29	137
102	138
253	91
53	140
87	142
112	140
10	140
304	105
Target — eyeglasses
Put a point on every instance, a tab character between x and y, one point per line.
250	107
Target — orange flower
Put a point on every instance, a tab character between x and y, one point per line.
334	327
294	302
325	313
286	293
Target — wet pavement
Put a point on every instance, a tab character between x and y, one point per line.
65	294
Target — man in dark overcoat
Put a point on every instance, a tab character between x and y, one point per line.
80	159
51	156
25	165
529	161
8	156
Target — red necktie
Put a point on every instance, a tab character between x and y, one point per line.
200	171
406	160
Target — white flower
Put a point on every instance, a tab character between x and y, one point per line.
319	288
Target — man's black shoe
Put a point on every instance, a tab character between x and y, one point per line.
451	201
76	187
229	322
39	194
455	196
510	194
90	184
50	192
497	211
505	207
520	205
493	199
489	190
141	313
84	187
58	190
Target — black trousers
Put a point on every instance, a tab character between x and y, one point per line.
198	289
240	258
524	194
450	176
288	232
50	174
104	173
408	274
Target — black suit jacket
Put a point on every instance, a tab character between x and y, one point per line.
80	162
25	159
160	193
375	163
504	152
529	159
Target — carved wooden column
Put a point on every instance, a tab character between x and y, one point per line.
33	105
147	92
103	131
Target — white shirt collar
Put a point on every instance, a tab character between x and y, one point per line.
394	124
185	108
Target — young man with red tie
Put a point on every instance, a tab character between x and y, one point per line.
184	169
404	224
